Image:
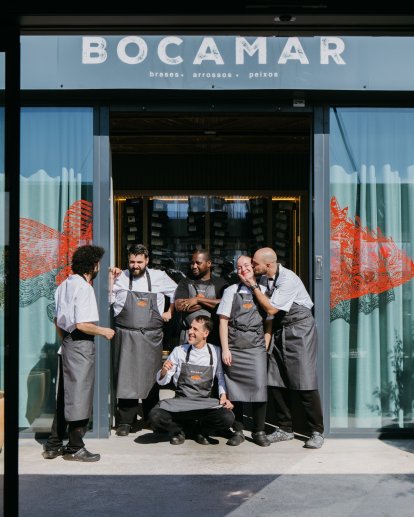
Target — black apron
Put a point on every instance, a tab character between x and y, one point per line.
194	385
205	290
78	367
246	378
138	344
292	356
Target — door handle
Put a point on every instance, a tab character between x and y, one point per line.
318	267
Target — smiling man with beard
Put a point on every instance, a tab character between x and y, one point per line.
138	297
199	295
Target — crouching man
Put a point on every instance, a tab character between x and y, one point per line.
193	367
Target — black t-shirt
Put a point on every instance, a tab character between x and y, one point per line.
183	291
219	284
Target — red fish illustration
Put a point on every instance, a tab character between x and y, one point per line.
363	261
44	249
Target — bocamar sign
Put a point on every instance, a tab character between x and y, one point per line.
217	62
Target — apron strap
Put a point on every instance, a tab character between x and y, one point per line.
187	357
270	290
148	281
194	284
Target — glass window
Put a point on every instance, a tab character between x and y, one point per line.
372	268
55	218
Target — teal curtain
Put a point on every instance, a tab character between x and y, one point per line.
372	268
55	218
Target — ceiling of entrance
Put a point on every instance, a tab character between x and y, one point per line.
133	133
274	16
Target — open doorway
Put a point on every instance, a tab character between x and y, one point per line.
228	183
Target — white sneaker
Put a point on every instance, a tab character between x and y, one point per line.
315	441
279	435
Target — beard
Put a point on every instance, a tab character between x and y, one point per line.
94	275
136	272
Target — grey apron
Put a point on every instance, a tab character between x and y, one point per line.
197	290
78	366
292	356
138	344
246	378
194	387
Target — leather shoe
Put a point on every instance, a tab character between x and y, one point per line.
51	454
237	438
123	430
205	440
82	455
177	439
260	439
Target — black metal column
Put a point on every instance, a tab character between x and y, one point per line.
11	359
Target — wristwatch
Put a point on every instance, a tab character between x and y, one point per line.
253	287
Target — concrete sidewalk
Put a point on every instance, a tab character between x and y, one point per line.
143	475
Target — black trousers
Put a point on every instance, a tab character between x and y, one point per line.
258	415
311	404
76	429
128	408
203	421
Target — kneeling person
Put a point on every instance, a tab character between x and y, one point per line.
193	367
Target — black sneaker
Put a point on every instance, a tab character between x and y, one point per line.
137	425
81	455
205	440
237	438
260	439
123	430
177	439
51	454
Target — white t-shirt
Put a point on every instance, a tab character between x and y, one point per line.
75	302
289	290
226	303
199	357
161	284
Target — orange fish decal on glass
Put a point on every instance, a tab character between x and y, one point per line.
43	249
363	261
